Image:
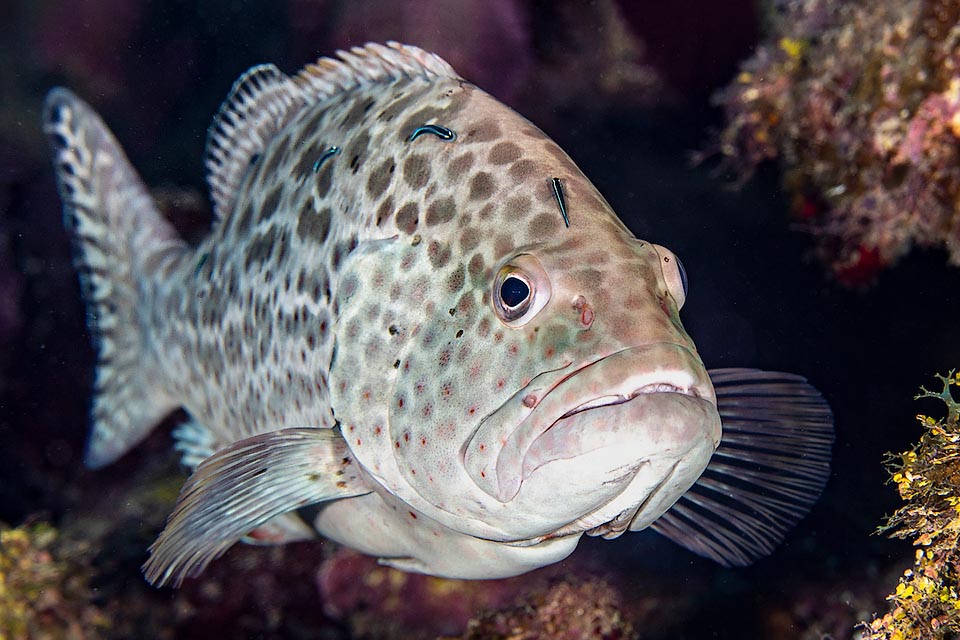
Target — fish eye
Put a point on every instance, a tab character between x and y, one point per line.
673	273
514	292
520	290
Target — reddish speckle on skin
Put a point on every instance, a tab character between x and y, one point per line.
429	478
351	428
483	474
423	441
397	443
366	394
472	410
530	401
377	430
482	446
446	389
514	349
498	336
413	471
400	403
549	351
501	383
406	437
358	442
412	515
427	410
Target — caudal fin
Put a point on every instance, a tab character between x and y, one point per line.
121	241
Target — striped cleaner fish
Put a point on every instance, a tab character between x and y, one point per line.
417	329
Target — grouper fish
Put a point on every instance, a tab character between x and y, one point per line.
416	329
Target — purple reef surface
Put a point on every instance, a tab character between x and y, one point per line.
860	103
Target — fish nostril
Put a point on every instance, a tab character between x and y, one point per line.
587	314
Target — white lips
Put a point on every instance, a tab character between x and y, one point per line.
606	400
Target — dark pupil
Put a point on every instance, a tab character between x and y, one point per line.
514	291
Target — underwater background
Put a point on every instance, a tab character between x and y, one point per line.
819	227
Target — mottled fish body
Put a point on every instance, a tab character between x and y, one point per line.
418	329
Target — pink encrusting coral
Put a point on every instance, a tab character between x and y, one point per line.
860	103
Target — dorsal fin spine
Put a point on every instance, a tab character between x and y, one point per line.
258	106
264	100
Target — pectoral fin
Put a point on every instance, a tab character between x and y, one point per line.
241	487
772	463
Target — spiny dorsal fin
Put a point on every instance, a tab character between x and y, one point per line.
772	463
260	103
264	100
370	63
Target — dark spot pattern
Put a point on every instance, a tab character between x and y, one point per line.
408	217
504	153
481	186
439	254
484	131
440	211
456	280
380	179
460	165
416	170
543	224
384	211
522	169
271	203
516	207
314	226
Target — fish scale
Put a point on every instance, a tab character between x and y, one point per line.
416	315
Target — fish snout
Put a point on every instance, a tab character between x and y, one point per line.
639	402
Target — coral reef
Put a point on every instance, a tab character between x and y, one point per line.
380	602
860	103
926	603
44	588
565	610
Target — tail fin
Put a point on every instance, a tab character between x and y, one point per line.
121	241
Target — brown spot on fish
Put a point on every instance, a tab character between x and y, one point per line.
408	217
271	203
470	238
516	207
439	254
456	279
543	224
416	171
441	211
314	226
321	186
380	178
384	211
481	186
504	153
484	131
460	165
523	169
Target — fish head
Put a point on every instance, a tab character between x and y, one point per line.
624	419
536	378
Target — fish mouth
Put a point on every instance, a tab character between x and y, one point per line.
604	403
